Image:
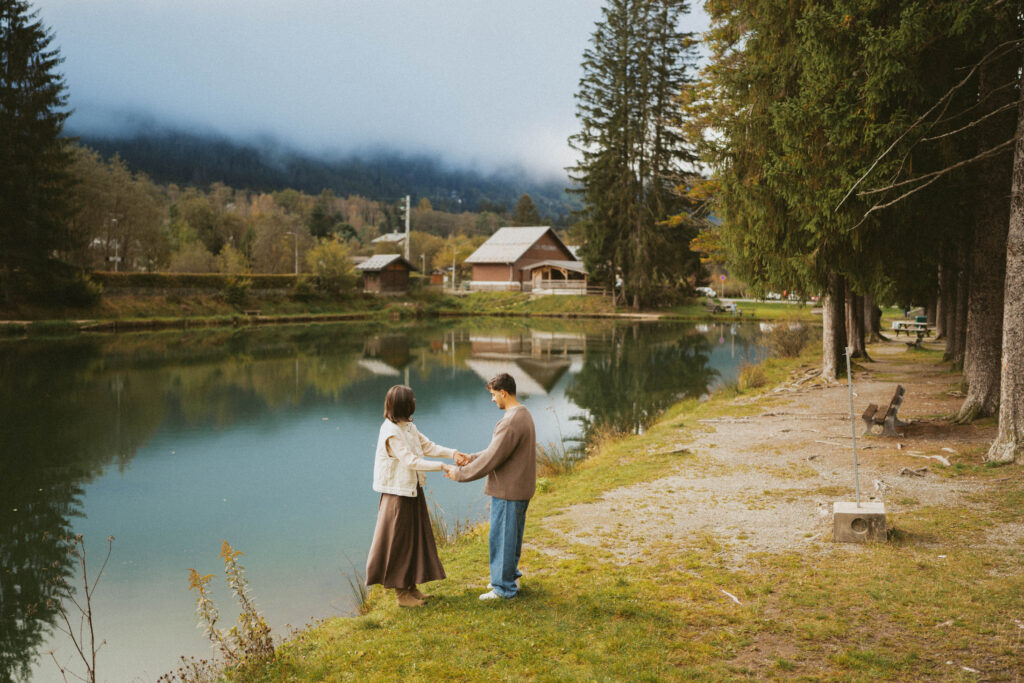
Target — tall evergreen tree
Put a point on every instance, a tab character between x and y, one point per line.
632	153
526	212
34	209
804	98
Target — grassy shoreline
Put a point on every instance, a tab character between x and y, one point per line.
136	313
922	606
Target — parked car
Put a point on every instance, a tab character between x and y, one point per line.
706	291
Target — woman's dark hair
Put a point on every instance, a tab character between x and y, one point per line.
502	382
399	404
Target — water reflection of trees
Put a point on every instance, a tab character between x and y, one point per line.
70	409
48	449
638	372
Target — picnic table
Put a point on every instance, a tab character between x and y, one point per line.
908	326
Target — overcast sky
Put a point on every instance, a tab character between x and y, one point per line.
482	82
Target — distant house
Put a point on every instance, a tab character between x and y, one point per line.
395	238
386	274
526	259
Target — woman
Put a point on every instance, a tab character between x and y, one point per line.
403	552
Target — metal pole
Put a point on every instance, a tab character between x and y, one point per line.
853	425
406	227
296	236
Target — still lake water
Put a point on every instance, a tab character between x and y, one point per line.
174	441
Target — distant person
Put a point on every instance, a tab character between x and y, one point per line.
403	552
510	465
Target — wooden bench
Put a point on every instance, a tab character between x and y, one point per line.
887	418
252	312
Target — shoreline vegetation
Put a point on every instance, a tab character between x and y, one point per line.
137	312
941	599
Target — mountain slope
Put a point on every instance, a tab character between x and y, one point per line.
191	159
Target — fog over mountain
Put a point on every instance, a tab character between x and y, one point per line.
190	158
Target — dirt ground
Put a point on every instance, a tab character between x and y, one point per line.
766	483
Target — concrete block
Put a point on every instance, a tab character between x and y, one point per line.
855	524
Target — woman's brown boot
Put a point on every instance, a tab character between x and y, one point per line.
415	592
407	599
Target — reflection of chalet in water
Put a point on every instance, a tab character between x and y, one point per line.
534	343
533	378
527	259
536	359
389	349
386	274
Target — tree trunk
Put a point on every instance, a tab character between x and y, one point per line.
833	331
952	335
1010	439
942	304
855	324
960	314
933	304
872	320
987	266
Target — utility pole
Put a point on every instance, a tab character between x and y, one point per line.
406	227
296	236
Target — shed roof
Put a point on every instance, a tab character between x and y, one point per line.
390	237
508	244
382	261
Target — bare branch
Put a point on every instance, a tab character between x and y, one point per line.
943	101
941	172
932	177
988	95
1005	107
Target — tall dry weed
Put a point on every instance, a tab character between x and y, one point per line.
786	338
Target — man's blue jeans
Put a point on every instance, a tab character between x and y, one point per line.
508	517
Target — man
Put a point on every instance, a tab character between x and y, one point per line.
510	465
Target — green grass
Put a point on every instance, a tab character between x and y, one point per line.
947	587
749	310
213	309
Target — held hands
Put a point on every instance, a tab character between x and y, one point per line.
461	458
449	471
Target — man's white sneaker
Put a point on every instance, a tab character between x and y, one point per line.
490	595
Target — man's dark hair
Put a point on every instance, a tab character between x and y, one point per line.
502	382
399	404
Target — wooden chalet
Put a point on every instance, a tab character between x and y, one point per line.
532	258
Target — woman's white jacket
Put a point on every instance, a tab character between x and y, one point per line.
400	461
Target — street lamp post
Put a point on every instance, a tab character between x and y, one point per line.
296	236
117	255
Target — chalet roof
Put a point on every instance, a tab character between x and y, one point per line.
508	244
526	380
575	266
381	261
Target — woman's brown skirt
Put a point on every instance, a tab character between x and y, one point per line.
403	552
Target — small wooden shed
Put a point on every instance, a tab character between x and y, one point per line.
386	274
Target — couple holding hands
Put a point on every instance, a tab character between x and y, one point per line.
403	552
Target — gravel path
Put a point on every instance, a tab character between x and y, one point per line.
767	483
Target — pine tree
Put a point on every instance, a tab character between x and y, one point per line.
34	209
526	212
632	154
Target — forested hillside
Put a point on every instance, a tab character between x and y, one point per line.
190	159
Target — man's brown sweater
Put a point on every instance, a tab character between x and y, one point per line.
510	462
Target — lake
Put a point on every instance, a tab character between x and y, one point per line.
264	436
